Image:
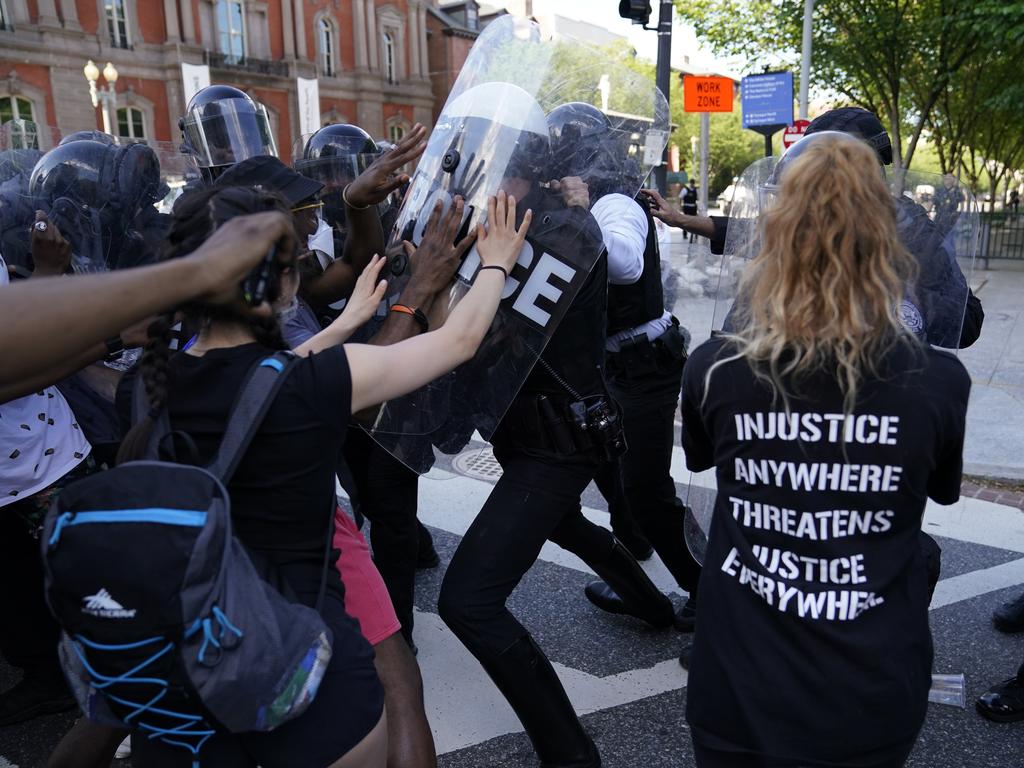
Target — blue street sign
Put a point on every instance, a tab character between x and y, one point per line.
767	99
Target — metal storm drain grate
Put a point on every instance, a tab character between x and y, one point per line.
479	464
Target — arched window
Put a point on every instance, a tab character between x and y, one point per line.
6	22
389	59
130	124
326	46
117	23
16	108
231	29
396	133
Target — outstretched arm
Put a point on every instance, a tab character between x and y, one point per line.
382	373
45	321
365	234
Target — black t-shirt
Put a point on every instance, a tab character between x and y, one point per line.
813	639
283	493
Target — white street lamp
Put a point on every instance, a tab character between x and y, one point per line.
105	98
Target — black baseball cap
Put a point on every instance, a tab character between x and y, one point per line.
271	174
857	122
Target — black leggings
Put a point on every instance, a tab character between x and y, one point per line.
714	758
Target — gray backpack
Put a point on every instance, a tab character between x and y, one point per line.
167	627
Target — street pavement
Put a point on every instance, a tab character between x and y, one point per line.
624	677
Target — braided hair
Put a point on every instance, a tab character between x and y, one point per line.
195	217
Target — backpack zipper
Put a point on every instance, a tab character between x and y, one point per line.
191	518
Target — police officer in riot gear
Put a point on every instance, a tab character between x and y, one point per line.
223	126
646	350
556	435
919	233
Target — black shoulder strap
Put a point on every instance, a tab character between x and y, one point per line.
161	421
252	405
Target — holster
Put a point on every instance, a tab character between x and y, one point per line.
638	356
554	424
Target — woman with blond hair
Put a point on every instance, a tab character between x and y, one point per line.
829	425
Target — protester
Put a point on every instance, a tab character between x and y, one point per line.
688	198
819	611
345	724
45	322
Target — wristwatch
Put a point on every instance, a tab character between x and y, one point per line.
115	348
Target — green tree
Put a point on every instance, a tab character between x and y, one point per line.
895	57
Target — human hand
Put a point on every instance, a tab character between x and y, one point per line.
660	208
235	249
51	252
366	296
437	258
499	245
574	191
378	181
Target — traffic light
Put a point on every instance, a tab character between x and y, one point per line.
637	11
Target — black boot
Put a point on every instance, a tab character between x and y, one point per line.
627	589
528	681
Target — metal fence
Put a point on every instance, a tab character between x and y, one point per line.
1002	236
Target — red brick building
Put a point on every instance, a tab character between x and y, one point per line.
369	56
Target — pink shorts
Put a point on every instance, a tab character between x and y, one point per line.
366	597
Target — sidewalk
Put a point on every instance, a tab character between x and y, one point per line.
995	417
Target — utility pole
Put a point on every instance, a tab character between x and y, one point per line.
663	80
639	12
805	62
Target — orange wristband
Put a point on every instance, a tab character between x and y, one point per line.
417	314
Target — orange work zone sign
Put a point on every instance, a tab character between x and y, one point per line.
707	94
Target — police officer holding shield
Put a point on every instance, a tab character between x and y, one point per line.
645	352
559	431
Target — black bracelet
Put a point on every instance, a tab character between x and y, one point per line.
115	348
495	266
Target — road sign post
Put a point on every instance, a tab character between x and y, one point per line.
706	95
767	104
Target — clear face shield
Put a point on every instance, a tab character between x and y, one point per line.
227	131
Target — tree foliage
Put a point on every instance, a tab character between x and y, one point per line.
921	65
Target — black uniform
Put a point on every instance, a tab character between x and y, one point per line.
645	377
547	462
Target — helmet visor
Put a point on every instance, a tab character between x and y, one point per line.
226	132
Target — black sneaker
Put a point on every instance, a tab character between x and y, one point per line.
1004	703
37	694
1009	617
686	617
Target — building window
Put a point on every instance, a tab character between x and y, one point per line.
325	43
15	108
231	29
5	16
389	58
472	20
117	24
129	123
396	133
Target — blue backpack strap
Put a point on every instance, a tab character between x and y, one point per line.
258	392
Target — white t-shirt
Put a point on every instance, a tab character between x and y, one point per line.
40	440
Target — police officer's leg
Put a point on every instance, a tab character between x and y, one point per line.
387	492
526	505
624	526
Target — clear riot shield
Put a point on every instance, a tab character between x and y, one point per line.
939	224
493	135
16	210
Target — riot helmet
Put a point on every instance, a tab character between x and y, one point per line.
769	190
100	136
578	133
223	126
335	154
93	192
858	122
